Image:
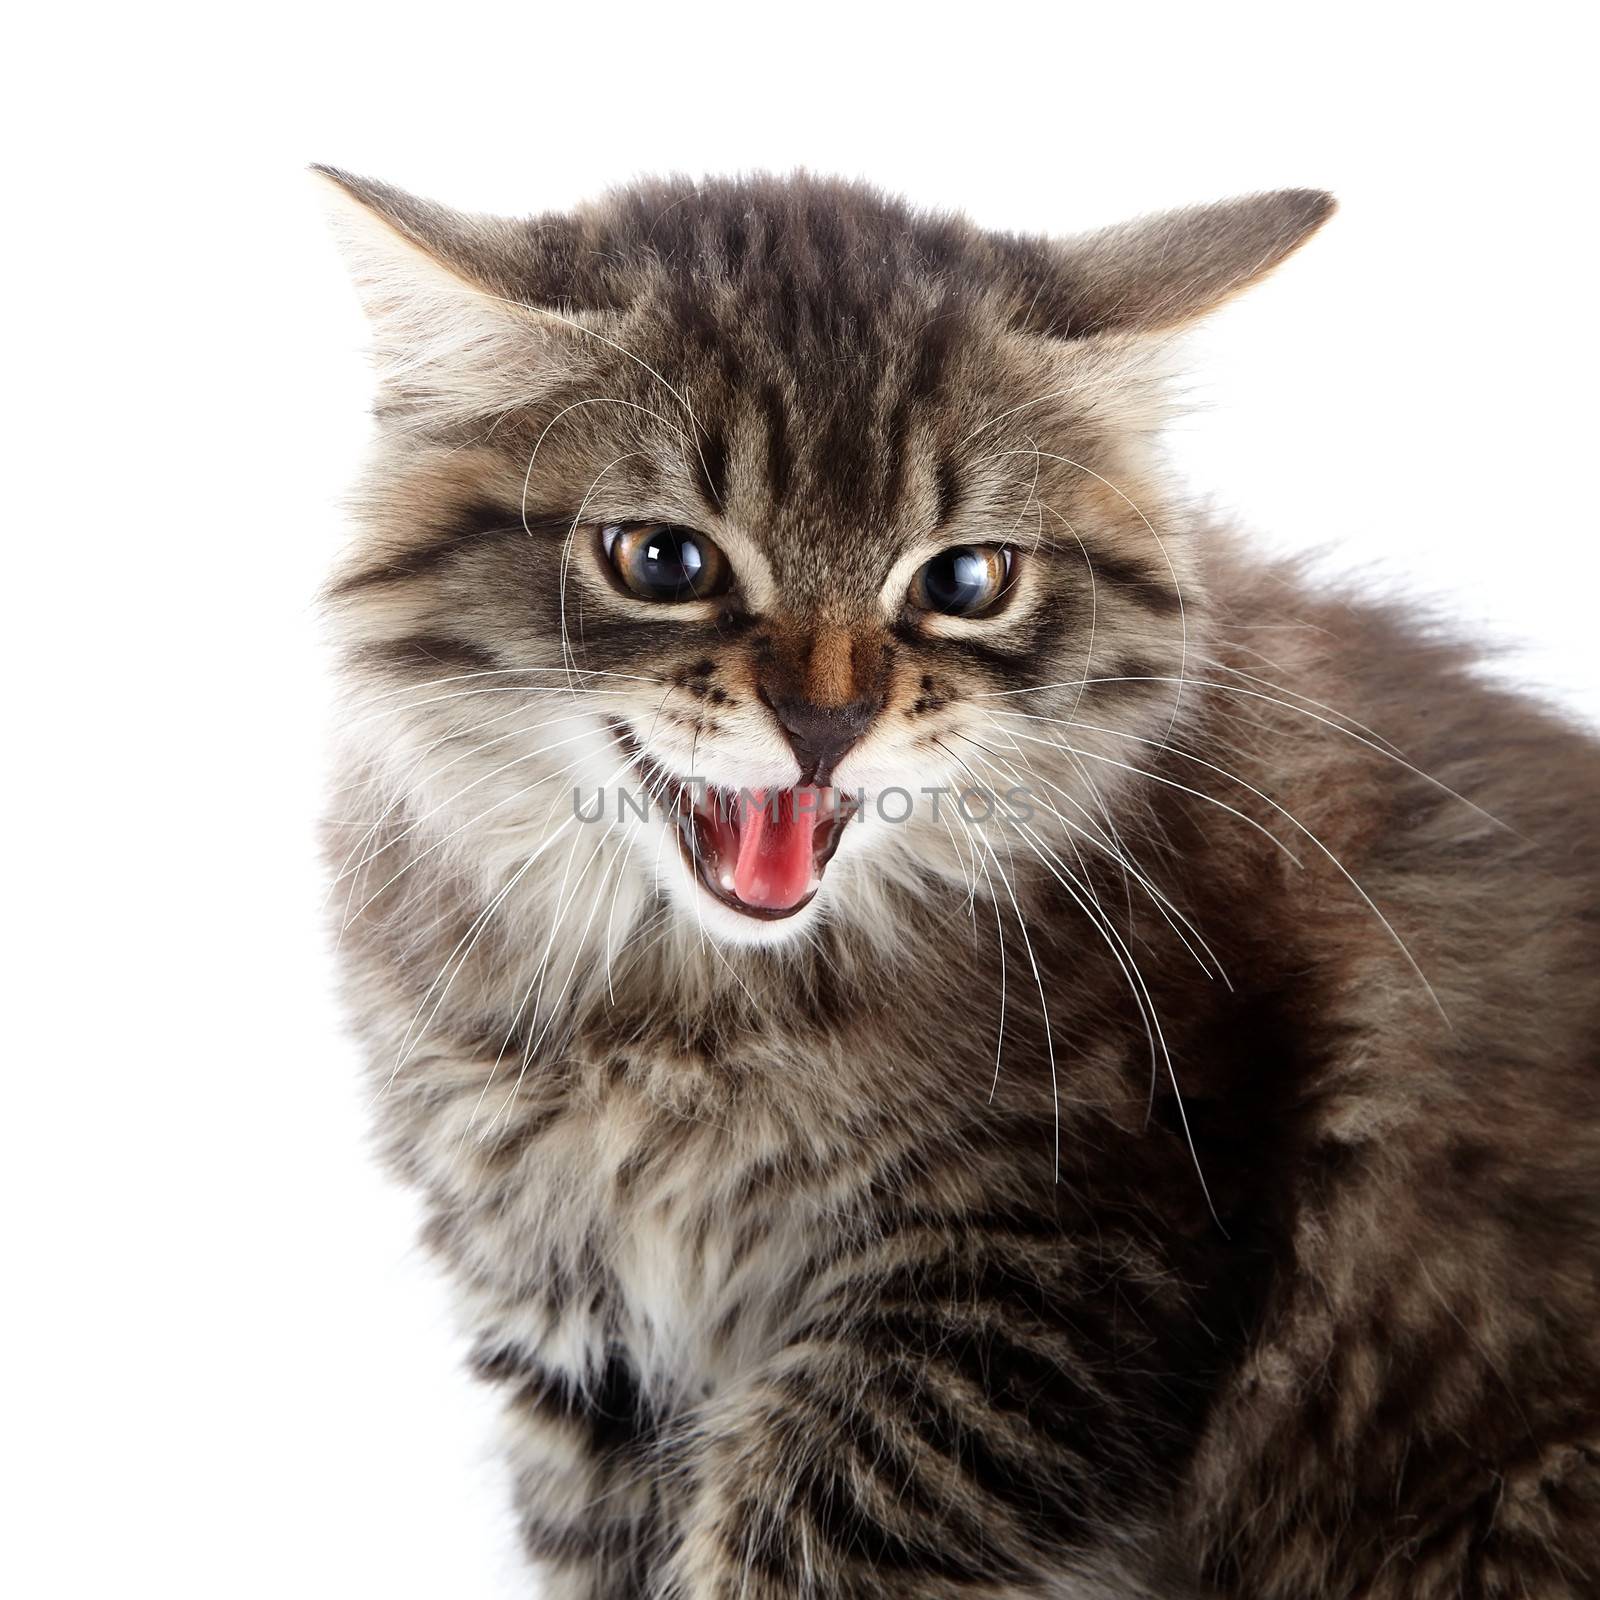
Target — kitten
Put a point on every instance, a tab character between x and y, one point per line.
1093	1088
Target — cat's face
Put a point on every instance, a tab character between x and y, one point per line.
812	521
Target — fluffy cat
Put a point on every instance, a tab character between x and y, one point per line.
1162	1161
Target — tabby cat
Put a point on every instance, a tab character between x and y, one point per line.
961	1033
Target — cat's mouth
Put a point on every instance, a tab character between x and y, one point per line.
761	852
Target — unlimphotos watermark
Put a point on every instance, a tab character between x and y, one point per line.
894	804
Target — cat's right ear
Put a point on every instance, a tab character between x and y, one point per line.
450	335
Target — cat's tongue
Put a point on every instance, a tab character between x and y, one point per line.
775	856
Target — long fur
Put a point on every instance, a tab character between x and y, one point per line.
1187	1190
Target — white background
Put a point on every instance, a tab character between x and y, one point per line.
229	1374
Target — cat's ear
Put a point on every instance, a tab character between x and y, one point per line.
449	332
1159	272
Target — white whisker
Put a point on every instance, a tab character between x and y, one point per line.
1282	811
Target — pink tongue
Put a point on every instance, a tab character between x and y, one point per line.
774	866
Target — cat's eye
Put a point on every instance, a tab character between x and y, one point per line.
965	581
661	561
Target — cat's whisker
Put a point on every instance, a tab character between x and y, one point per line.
579	946
567	656
1174	918
1006	770
653	791
357	874
1097	917
1094	601
1177	587
534	992
468	694
383	776
439	844
1101	833
1031	498
1038	527
482	778
1027	944
1012	411
1085	681
407	785
1044	1007
417	1028
361	698
535	989
1126	960
400	785
1141	994
1155	777
1106	823
1217	665
1388	753
970	881
697	432
1282	810
561	415
1000	945
611	911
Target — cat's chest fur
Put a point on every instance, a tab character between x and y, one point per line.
602	1224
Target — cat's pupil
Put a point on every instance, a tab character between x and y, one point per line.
671	560
962	580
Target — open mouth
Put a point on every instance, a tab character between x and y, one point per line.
761	852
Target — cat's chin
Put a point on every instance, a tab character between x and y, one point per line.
708	914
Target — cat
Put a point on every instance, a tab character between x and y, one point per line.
961	1032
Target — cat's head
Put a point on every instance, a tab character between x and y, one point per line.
850	512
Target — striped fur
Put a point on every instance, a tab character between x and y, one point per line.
876	1253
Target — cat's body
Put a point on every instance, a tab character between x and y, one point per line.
888	1260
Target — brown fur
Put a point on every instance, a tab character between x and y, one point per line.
1025	1225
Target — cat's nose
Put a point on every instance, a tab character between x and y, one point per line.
819	735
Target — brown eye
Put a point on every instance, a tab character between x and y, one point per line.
964	581
660	561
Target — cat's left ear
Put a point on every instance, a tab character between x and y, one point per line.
1160	272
